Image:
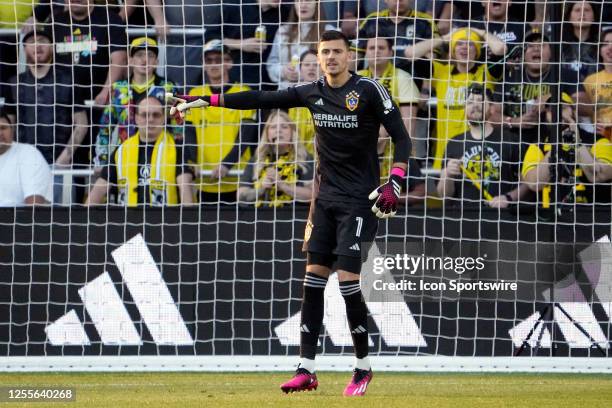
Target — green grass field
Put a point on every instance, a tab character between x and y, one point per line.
388	390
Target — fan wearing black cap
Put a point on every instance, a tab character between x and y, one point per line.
522	98
583	159
117	123
48	107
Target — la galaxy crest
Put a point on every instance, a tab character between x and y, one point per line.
352	100
308	231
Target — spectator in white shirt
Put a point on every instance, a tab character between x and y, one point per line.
25	176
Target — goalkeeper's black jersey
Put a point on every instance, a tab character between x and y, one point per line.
347	122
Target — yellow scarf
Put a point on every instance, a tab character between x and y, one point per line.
286	168
162	188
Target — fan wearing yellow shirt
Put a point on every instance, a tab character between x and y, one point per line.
598	88
401	87
585	169
214	135
451	78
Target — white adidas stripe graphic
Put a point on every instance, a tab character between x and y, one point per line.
396	188
355	247
108	313
360	389
363	387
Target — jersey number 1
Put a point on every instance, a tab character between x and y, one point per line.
359	225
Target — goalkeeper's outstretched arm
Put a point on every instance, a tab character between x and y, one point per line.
284	99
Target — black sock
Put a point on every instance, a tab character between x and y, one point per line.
357	316
312	314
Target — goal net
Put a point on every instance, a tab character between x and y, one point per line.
160	243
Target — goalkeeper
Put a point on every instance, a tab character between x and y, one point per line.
347	111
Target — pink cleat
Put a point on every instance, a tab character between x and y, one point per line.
303	380
359	383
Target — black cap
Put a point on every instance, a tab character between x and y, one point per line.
536	34
215	46
143	43
44	30
479	89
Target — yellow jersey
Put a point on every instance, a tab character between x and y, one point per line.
216	131
599	88
583	191
451	91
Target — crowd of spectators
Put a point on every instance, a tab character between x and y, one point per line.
494	94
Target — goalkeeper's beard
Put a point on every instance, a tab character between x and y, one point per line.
335	74
336	71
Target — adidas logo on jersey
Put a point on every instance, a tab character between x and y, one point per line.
358	330
319	102
355	247
388	106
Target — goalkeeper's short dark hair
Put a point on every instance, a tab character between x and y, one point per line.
331	35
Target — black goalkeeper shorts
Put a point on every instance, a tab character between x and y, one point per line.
338	228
